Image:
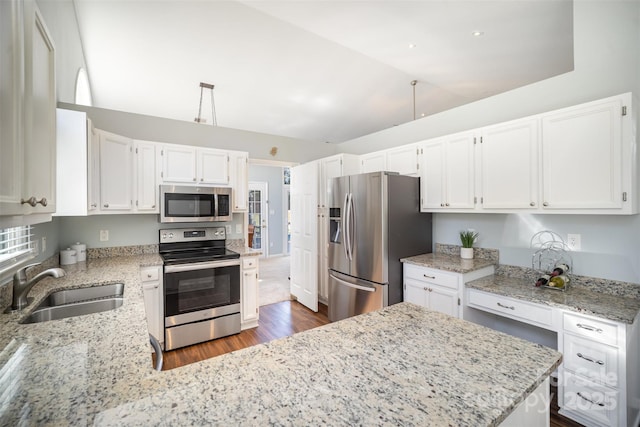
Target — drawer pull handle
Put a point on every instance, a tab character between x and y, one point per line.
588	359
428	289
590	401
589	328
429	277
510	307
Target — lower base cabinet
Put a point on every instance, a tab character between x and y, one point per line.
249	310
151	278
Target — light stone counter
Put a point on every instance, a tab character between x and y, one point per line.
579	299
403	365
448	262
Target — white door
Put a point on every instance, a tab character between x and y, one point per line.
304	238
259	216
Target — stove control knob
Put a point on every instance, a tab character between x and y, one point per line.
164	236
171	235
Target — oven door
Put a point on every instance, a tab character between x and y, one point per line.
203	290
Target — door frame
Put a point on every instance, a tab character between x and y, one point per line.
263	187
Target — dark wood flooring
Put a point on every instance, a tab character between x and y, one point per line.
281	320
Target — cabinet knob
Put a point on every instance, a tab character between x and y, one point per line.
442	205
31	201
153	206
149	275
194	179
545	204
201	179
106	205
446	204
43	201
532	204
94	205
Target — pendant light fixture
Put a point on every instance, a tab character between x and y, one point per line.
413	85
199	119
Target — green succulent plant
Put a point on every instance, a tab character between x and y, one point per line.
468	238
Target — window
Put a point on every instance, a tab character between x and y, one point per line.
286	173
15	246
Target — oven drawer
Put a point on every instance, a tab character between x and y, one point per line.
197	332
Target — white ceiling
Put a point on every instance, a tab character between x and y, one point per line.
313	69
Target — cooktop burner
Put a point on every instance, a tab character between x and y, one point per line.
189	245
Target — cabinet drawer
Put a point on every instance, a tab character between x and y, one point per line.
526	312
249	262
437	277
593	360
599	330
591	400
149	274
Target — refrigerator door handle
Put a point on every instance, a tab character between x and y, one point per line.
353	285
345	223
352	237
347	234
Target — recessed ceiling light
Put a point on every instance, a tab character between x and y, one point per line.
411	45
477	33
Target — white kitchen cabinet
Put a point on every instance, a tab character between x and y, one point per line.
437	289
116	172
582	156
73	172
93	168
239	171
509	165
146	173
403	160
152	290
373	162
183	164
249	306
448	173
28	122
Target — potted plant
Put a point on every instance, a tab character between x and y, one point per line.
468	238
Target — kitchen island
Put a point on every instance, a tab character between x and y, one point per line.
403	365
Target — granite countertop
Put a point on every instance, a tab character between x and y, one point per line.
245	251
402	365
449	262
578	299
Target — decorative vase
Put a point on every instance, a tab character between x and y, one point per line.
466	253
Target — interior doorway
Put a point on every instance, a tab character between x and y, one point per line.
259	217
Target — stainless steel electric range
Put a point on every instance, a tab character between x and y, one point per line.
201	286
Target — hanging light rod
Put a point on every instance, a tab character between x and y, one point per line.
199	119
413	84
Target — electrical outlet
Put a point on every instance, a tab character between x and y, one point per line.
573	241
104	235
227	229
44	243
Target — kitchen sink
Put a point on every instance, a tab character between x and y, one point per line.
77	302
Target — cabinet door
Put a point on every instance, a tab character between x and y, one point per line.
415	292
249	295
374	162
403	160
40	113
146	177
213	167
115	172
443	299
151	278
509	165
239	180
93	172
459	171
11	105
432	176
582	157
178	164
329	168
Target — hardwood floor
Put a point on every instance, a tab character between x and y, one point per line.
281	320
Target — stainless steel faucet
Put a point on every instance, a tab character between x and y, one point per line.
22	286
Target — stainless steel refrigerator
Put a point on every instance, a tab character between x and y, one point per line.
374	221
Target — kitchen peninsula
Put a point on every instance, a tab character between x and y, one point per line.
402	365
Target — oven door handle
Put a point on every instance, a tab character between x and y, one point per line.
199	266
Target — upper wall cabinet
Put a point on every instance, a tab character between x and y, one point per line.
333	167
447	173
116	172
183	164
585	156
239	171
509	165
146	169
403	160
28	120
373	162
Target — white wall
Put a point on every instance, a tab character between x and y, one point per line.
607	62
60	17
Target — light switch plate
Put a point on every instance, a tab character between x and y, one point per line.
227	228
238	228
104	235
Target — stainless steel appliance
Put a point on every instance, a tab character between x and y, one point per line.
374	221
201	286
181	203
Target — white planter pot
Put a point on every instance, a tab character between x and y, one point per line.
466	253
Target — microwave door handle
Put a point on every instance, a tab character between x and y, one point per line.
215	206
345	221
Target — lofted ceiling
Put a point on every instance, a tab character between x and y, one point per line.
317	70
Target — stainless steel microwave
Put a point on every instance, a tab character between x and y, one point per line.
181	203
